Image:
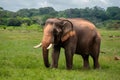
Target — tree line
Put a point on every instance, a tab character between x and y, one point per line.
26	16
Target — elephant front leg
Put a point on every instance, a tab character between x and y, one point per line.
69	58
55	57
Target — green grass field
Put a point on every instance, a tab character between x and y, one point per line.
19	61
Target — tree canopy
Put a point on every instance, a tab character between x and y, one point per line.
95	14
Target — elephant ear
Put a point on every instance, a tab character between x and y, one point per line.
67	30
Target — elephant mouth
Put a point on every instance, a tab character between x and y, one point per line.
50	46
39	45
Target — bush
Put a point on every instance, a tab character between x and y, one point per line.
3	21
113	24
14	22
27	21
110	24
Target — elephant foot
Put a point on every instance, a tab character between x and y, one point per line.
54	66
86	67
69	68
97	67
47	65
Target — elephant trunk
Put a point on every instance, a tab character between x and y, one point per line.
46	44
45	57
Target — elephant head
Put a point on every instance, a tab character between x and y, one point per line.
55	31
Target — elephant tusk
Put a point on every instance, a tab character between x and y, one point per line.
37	46
49	46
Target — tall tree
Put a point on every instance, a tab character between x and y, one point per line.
113	12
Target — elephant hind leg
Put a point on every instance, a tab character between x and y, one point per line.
95	55
95	61
85	61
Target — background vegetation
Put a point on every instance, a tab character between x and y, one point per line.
103	18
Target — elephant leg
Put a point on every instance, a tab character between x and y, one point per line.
95	55
55	57
95	61
69	58
85	61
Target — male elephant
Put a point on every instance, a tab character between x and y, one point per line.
75	35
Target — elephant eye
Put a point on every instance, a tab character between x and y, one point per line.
54	31
51	23
57	31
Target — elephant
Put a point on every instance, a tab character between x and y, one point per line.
75	36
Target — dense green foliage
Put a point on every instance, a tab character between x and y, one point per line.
96	14
19	61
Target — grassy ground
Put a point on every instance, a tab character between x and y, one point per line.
19	61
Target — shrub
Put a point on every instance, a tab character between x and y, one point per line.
14	22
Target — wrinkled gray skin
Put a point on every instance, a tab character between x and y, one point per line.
76	36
